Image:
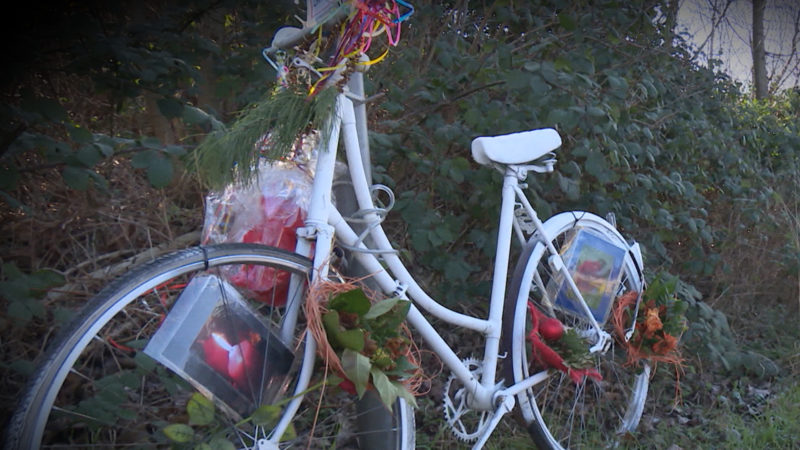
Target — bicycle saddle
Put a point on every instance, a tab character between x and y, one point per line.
515	148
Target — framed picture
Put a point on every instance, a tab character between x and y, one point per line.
596	267
216	342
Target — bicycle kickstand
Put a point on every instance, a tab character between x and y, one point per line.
505	406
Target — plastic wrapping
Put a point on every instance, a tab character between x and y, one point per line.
267	211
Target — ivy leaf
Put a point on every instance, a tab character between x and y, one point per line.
200	409
356	366
179	432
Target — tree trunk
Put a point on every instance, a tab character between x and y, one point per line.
759	53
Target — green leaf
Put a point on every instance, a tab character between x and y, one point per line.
597	166
567	21
144	362
330	320
386	389
159	173
170	107
106	149
22	366
20	312
196	116
88	155
200	409
382	307
266	415
408	396
356	366
289	434
179	432
8	178
46	108
43	279
141	160
76	178
175	150
403	367
354	301
151	142
220	443
352	339
79	134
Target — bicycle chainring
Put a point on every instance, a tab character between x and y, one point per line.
466	424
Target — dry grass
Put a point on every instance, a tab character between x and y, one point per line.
80	234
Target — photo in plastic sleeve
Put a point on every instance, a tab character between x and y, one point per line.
596	267
216	342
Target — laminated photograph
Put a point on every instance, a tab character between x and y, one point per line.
596	267
216	342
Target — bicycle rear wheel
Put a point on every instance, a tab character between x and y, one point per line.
558	412
98	386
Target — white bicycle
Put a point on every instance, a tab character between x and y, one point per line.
96	387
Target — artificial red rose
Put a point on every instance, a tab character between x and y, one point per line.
216	349
551	329
242	359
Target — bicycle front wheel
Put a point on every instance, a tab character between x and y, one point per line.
558	412
219	317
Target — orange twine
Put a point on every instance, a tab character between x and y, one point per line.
316	306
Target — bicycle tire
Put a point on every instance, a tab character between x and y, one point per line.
557	412
104	341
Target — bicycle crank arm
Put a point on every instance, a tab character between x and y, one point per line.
506	405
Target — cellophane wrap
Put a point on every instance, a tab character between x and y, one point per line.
267	210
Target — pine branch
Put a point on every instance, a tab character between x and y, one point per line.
284	115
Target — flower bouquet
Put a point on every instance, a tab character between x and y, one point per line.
660	321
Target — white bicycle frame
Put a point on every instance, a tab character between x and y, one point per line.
324	222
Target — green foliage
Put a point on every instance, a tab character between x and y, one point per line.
370	344
709	336
24	293
664	144
178	60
